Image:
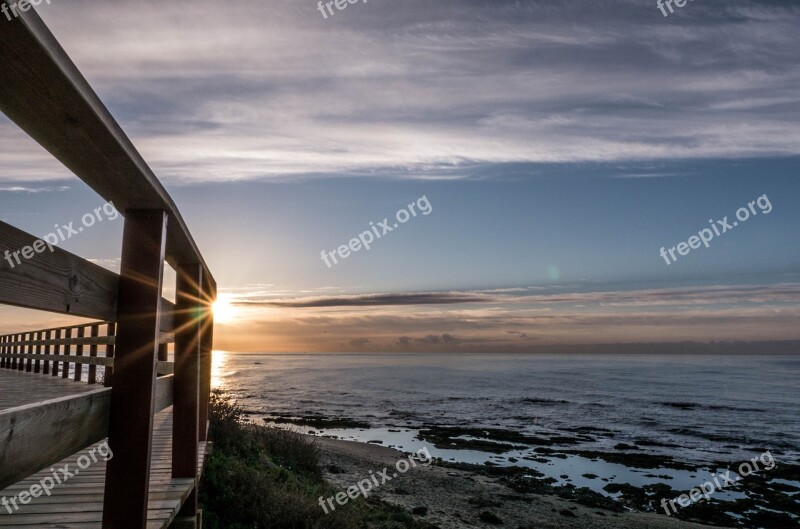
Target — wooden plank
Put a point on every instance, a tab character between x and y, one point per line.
165	368
75	359
37	435
44	93
108	374
65	359
206	354
33	436
78	503
164	393
79	353
93	353
19	389
189	320
57	353
56	281
133	392
99	340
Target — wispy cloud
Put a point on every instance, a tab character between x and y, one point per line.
32	190
432	90
518	319
373	300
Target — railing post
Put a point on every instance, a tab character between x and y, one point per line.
133	393
108	372
37	364
206	359
46	363
56	353
29	360
93	353
67	351
189	313
79	353
19	363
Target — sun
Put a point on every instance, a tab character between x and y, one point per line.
224	310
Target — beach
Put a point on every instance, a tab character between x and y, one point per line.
455	499
617	434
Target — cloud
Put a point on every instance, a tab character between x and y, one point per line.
430	90
32	190
535	296
523	319
373	300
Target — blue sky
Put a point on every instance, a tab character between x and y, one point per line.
559	145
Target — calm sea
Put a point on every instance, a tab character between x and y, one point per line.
696	409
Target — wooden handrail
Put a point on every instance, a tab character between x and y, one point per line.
68	113
43	92
28	442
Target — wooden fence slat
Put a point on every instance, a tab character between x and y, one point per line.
93	353
67	351
108	373
57	353
79	354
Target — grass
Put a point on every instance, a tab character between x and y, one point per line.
257	477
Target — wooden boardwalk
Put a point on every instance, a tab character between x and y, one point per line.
78	503
20	388
146	361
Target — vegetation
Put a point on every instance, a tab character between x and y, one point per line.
258	477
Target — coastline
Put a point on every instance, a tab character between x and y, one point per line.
453	498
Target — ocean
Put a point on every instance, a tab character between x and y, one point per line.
568	417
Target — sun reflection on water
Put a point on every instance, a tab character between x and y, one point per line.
218	363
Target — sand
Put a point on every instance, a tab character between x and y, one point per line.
457	498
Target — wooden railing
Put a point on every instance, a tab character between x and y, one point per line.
45	95
64	351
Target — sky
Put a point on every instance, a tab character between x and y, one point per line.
550	151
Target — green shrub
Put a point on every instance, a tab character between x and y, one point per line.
258	477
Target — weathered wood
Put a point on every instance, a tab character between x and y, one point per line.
37	364
188	335
46	369
44	93
67	350
133	392
95	329
37	435
79	354
87	360
56	281
108	373
29	363
206	354
99	340
57	353
78	503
